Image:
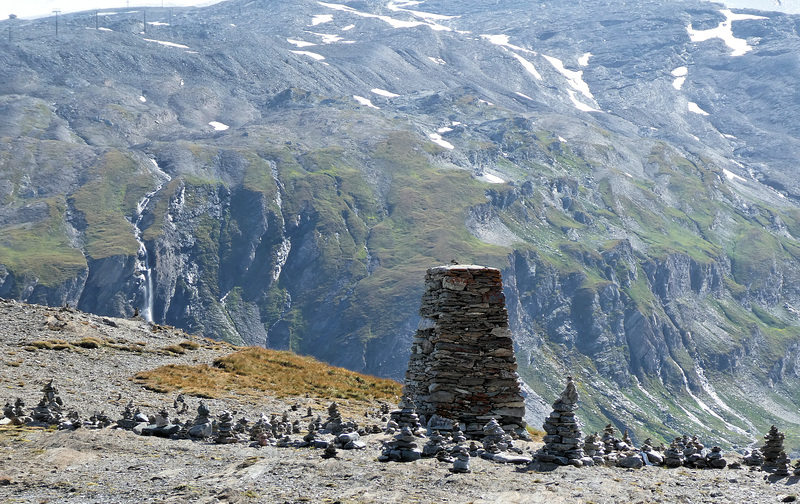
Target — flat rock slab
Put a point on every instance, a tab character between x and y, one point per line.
506	458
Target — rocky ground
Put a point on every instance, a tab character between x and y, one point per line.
108	465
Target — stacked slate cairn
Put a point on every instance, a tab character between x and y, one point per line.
694	454
594	448
462	363
497	445
461	458
783	465
161	426
653	455
773	447
435	445
405	416
225	434
715	460
562	444
128	420
203	426
754	459
48	410
402	448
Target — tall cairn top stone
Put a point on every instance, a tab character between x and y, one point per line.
462	363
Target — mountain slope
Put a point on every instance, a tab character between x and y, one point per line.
283	176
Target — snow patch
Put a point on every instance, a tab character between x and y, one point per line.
574	77
492	179
584	60
437	139
383	92
527	65
732	176
562	139
524	96
328	38
142	99
444	129
102	28
365	101
394	23
157	23
218	126
399	7
578	104
348	27
321	18
439	61
729	137
168	44
695	108
310	54
300	43
724	31
680	72
503	40
678	83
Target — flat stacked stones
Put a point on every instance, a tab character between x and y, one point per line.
782	465
773	446
715	459
462	363
495	439
593	448
202	427
461	458
434	446
562	444
754	458
673	456
49	408
225	434
405	416
402	448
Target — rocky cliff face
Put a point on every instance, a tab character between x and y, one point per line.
628	171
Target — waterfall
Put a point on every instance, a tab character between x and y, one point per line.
143	267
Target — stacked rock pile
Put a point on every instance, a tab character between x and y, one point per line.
48	410
462	363
435	445
495	439
754	459
653	456
773	446
225	434
402	448
562	444
461	458
594	448
715	459
202	426
782	465
405	416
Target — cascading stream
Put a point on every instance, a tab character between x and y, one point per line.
143	268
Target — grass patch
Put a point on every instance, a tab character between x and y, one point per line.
89	342
254	371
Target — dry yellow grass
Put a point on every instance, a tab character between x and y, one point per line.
254	371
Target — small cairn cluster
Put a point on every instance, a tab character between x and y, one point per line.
562	444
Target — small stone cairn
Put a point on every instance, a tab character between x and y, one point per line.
462	363
754	459
562	444
203	427
495	439
773	446
402	448
461	459
48	410
225	434
594	448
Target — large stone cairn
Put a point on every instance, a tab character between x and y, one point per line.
773	447
562	444
462	363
